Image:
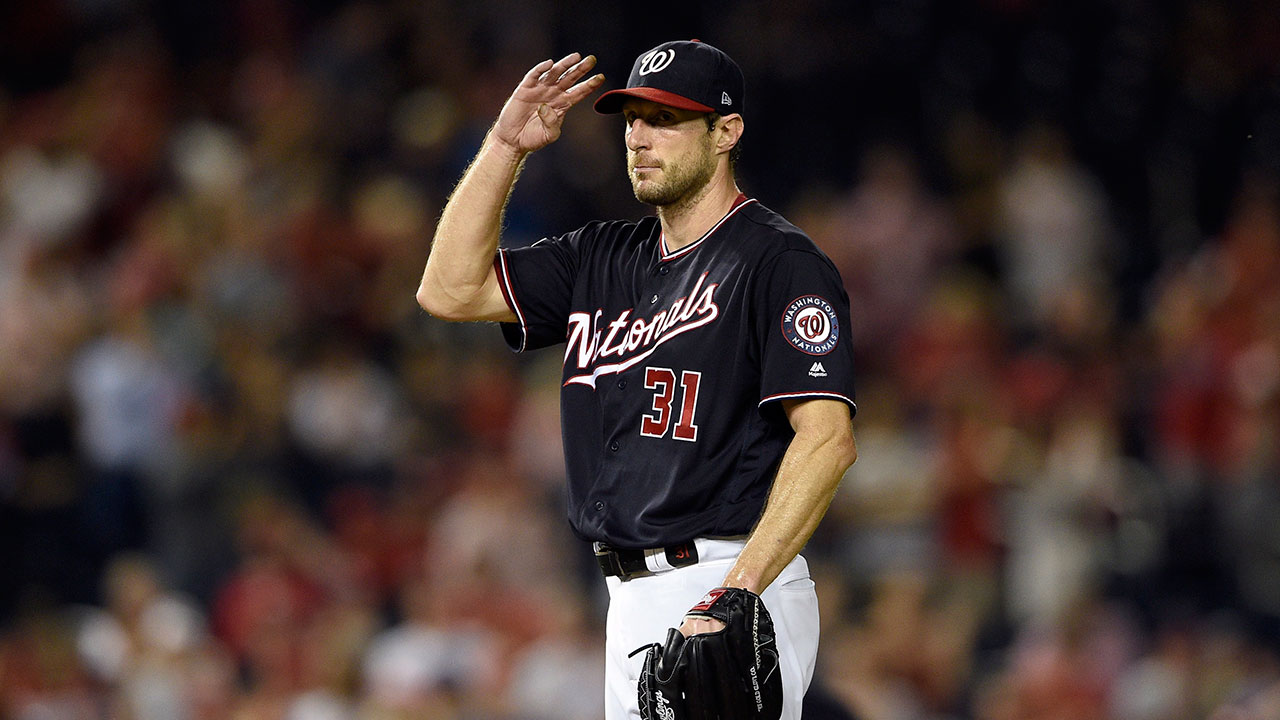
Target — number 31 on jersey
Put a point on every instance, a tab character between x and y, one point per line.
663	382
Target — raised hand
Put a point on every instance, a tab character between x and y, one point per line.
532	117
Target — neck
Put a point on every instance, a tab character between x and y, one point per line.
689	218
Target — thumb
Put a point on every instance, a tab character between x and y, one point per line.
548	116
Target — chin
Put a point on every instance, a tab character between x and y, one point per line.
653	197
647	193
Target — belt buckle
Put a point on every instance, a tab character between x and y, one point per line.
608	561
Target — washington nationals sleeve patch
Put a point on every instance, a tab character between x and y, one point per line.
809	323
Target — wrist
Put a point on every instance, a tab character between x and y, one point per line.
504	149
738	578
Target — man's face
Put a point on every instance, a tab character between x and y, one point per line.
670	155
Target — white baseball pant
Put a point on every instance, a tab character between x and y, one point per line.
643	608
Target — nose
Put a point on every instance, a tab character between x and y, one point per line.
637	134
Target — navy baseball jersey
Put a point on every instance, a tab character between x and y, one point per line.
675	363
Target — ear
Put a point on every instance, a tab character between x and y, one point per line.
728	132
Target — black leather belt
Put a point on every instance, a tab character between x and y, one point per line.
626	563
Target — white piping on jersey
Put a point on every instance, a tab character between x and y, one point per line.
505	280
664	255
793	396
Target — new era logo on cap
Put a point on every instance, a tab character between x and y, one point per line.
685	74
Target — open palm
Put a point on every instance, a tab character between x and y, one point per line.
532	117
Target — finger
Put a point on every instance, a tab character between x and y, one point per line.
695	625
535	72
554	73
583	89
573	74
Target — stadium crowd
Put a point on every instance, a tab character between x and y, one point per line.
243	475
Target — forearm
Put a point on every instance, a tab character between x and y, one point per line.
459	282
459	270
807	479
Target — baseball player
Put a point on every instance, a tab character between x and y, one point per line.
707	394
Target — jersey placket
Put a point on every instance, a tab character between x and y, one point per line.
623	396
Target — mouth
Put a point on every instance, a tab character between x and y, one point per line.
645	165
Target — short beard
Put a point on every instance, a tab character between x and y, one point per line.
684	180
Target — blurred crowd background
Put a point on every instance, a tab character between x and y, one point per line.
243	475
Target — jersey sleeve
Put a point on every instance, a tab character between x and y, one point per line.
537	283
804	330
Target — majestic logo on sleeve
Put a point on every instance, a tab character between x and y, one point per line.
602	347
809	323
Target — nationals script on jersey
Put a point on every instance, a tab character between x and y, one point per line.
675	363
632	340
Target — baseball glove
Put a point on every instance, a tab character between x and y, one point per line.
730	674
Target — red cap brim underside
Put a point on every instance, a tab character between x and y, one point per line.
611	102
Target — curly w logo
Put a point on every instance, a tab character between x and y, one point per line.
656	61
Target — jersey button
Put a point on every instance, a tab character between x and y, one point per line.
599	505
664	270
614	446
622	384
653	299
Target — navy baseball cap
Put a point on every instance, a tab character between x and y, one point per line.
685	74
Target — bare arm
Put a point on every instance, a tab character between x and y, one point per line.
459	282
822	449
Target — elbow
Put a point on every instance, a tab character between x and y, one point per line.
825	427
852	457
439	304
846	450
